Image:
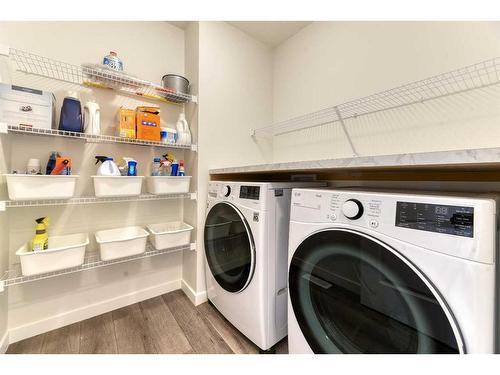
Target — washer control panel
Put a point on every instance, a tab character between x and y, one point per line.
461	226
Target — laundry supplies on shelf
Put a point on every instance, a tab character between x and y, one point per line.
41	239
108	166
148	123
92	118
183	132
71	118
24	106
62	252
126	123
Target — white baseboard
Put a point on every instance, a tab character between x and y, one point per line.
41	326
4	342
195	298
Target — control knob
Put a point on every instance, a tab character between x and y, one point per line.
226	191
352	209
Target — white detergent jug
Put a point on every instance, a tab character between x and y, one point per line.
91	118
183	132
108	168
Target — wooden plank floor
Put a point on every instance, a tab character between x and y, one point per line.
168	324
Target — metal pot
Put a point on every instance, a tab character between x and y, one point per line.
176	82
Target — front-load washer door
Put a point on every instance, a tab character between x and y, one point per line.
351	293
229	247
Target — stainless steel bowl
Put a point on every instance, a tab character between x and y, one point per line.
178	83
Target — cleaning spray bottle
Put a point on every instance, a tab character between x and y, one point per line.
41	240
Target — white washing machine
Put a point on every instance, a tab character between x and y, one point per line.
381	272
246	249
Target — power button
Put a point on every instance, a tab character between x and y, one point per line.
374	223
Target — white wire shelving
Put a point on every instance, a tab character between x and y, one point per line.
92	260
472	77
90	138
92	75
92	200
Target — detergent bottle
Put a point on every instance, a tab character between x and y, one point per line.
108	166
40	241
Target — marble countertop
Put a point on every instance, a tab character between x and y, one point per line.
423	159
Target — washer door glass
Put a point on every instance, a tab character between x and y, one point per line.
229	247
351	294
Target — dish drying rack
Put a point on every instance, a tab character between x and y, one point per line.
92	75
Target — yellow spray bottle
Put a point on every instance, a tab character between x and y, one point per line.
41	240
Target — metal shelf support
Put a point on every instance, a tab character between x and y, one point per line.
342	124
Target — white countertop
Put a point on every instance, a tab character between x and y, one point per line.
425	159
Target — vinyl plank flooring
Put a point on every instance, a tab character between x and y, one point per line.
164	333
238	343
165	324
33	345
202	337
97	335
65	340
129	330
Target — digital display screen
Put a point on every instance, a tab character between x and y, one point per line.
250	192
455	220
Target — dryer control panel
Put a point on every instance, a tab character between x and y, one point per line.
451	224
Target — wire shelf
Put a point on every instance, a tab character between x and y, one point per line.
94	200
93	75
92	260
91	138
480	75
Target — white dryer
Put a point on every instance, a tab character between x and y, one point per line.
382	272
246	249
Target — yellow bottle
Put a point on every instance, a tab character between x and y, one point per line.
41	240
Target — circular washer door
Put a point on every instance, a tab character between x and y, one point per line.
229	247
354	294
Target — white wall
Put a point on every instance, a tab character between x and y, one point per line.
149	50
328	63
235	93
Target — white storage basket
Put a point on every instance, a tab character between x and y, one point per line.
121	242
168	184
63	252
171	234
27	186
117	186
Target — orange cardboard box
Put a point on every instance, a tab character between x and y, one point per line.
148	123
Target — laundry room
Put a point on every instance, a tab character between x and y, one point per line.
269	186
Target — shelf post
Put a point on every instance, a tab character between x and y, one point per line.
342	124
3	128
4	50
3	206
2	286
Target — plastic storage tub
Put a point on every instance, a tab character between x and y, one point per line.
117	186
172	234
63	252
121	242
168	184
27	186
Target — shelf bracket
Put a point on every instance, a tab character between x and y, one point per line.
194	147
2	286
3	128
342	124
193	196
192	246
3	206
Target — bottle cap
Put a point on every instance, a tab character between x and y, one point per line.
156	160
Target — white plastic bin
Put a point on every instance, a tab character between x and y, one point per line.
117	186
63	252
27	186
171	234
121	242
168	184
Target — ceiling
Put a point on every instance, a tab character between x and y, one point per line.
271	33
